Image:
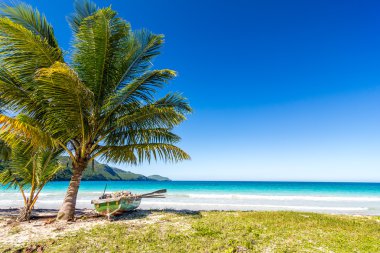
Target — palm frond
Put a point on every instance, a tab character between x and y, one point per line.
5	152
83	9
138	153
96	51
30	167
69	101
9	178
125	136
14	130
2	105
20	167
12	93
151	117
23	52
141	89
47	165
166	112
31	19
139	52
176	101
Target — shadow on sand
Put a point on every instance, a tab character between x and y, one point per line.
42	213
84	214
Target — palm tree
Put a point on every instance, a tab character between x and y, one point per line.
29	169
101	103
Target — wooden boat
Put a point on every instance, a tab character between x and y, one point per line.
117	203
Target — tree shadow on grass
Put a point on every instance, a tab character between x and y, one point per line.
141	213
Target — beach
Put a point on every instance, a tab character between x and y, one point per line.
202	216
191	231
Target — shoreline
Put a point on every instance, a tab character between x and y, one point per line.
339	198
222	207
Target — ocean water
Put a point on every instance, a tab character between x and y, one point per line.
340	198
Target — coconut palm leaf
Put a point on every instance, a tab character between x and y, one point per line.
69	101
165	112
97	51
24	127
144	46
13	93
138	153
23	52
141	89
23	14
5	152
83	9
151	116
126	136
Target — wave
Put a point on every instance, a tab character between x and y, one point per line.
210	206
277	197
84	203
331	198
223	206
92	195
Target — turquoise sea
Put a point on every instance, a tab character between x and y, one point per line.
348	198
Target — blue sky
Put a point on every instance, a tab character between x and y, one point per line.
282	90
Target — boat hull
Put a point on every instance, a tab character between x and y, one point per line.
116	207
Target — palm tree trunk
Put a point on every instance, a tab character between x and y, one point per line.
67	210
25	213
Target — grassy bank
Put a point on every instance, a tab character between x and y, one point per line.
224	232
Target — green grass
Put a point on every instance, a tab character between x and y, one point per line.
229	232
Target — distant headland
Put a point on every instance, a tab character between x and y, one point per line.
103	172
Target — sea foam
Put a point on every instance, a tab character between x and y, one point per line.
280	197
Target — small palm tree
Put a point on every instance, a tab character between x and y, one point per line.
29	169
101	103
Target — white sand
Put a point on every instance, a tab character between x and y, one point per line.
44	226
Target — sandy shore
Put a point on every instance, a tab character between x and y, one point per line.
44	226
190	231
